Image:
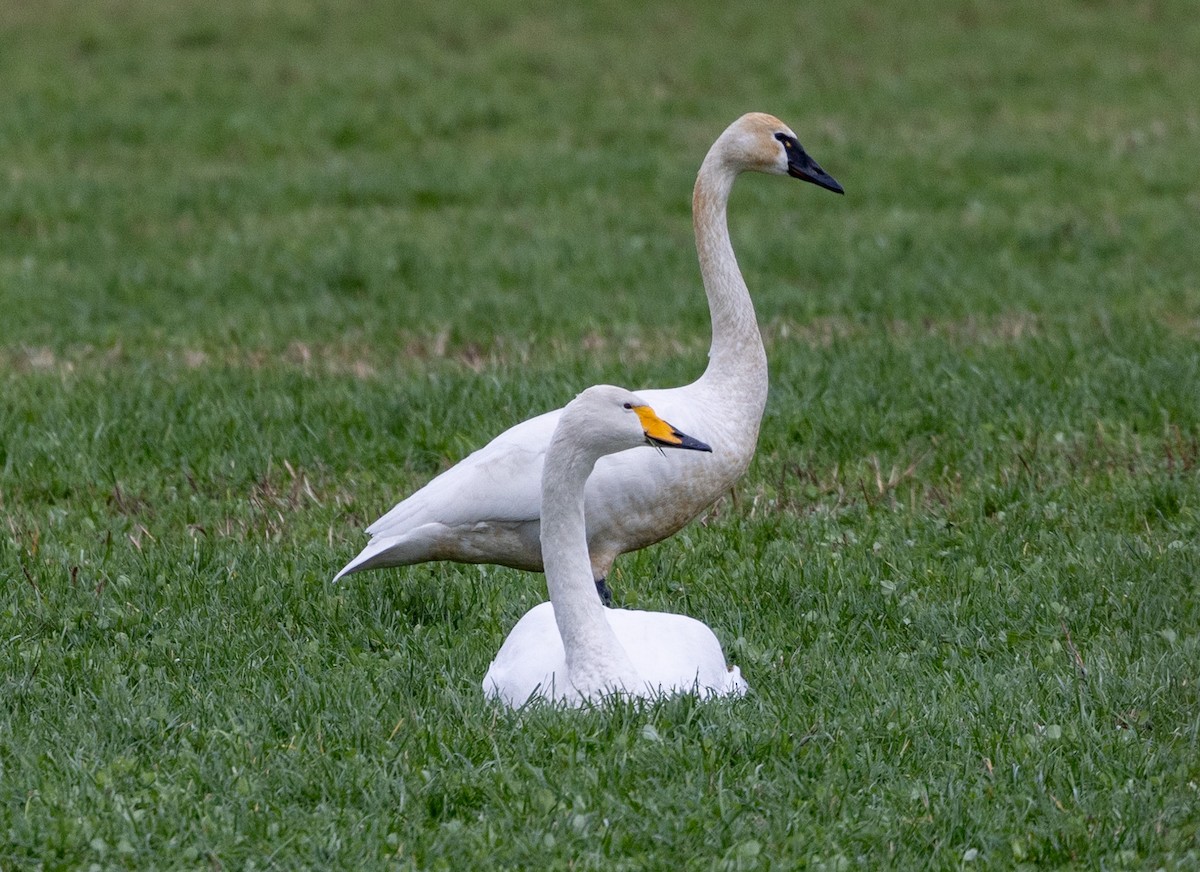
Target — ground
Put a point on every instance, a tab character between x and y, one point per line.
265	268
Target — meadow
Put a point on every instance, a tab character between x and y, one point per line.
267	267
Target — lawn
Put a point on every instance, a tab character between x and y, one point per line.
267	267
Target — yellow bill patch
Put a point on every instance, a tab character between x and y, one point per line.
656	428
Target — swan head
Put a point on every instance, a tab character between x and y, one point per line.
762	143
612	419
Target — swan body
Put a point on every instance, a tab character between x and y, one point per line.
677	654
487	508
573	649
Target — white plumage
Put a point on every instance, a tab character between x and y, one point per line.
487	508
573	649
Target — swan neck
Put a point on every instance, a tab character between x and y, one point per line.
736	353
587	637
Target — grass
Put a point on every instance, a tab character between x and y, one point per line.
266	267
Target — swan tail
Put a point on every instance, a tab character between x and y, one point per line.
735	685
382	551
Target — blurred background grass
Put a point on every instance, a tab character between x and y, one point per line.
266	172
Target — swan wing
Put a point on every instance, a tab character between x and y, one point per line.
501	481
483	509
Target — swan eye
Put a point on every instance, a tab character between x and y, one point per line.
629	405
785	139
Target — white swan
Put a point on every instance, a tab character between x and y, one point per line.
487	508
572	648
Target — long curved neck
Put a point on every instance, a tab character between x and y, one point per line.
591	646
737	361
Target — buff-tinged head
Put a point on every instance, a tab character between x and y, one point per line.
762	143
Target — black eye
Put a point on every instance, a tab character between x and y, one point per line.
629	405
783	137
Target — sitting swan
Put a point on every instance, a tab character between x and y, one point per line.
572	648
487	508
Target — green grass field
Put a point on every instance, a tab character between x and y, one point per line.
266	267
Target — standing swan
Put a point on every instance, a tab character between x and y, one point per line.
487	508
572	648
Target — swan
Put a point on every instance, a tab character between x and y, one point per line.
487	508
574	649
